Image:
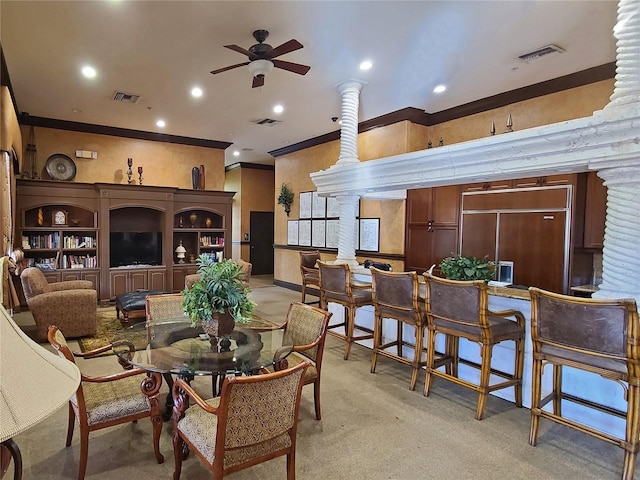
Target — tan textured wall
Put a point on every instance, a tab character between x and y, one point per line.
406	137
257	196
164	164
232	183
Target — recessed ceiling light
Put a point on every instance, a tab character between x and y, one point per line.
76	110
278	109
196	92
439	89
161	123
88	71
236	153
366	65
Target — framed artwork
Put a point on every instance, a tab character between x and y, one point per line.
370	234
318	229
304	233
333	207
332	233
318	206
292	232
305	204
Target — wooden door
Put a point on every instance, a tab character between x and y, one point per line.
119	283
261	242
157	280
138	280
479	235
535	243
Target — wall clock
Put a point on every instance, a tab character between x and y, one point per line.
59	217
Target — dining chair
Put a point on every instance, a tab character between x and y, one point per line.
253	420
306	329
336	286
396	297
104	401
597	336
309	271
459	309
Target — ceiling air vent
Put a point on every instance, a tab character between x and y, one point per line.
541	52
125	97
267	121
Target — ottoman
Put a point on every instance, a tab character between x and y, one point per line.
132	305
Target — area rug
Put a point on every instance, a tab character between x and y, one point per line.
109	325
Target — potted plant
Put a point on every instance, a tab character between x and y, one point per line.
458	267
218	299
286	197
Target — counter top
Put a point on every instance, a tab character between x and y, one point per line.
507	292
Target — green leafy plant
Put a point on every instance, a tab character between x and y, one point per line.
458	267
286	197
219	289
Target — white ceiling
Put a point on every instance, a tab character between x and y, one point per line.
160	49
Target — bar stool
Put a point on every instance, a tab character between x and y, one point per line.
309	272
336	286
596	336
460	310
395	297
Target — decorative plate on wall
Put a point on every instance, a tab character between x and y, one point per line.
60	167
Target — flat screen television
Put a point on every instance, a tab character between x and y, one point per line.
135	248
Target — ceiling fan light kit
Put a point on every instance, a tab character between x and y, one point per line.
260	67
261	57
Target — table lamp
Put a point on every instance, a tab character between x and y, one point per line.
34	383
180	251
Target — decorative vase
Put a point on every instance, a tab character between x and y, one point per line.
201	185
192	219
208	222
220	325
195	178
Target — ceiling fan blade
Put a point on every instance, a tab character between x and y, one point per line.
236	48
292	67
231	67
290	46
258	81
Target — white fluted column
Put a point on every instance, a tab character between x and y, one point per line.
627	33
621	251
350	93
347	238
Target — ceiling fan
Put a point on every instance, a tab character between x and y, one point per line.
262	58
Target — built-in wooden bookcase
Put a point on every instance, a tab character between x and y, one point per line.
199	231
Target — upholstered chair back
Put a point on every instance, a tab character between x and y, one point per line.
457	300
395	295
305	325
33	282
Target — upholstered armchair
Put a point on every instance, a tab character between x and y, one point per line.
71	305
253	420
245	273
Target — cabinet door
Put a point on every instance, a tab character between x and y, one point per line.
157	280
445	205
535	243
93	277
595	211
418	205
138	280
479	235
52	277
119	282
178	277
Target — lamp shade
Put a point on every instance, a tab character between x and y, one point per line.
34	382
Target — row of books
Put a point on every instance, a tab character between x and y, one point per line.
51	240
210	241
64	261
79	242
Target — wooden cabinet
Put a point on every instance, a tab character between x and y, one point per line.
487	186
179	274
432	226
595	212
124	280
92	275
544	181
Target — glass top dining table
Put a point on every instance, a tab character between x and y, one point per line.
174	346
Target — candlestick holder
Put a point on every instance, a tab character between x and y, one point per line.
140	175
509	124
441	142
429	145
129	172
492	130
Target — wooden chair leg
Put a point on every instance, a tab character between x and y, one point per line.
453	344
178	446
350	328
316	398
71	425
557	390
632	434
399	338
485	376
291	466
536	389
377	341
431	346
518	372
417	356
156	422
84	452
304	291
